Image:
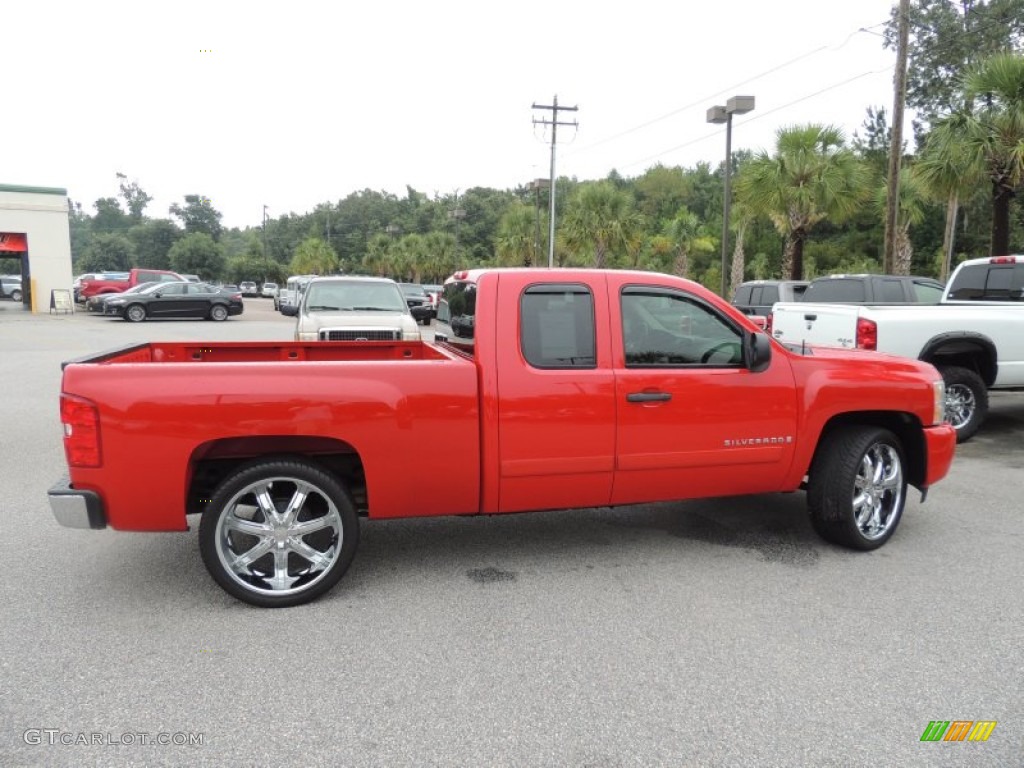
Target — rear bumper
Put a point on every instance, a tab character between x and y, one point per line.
74	508
940	446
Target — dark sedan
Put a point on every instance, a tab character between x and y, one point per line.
168	300
98	302
418	301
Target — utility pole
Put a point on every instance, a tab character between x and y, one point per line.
896	141
266	261
554	123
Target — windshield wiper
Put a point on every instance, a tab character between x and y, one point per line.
322	308
375	309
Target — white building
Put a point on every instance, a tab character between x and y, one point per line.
34	229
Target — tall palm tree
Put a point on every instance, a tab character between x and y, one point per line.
910	211
688	236
517	235
997	134
948	167
601	217
811	177
741	218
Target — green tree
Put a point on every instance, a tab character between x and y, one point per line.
946	38
517	234
811	177
995	136
198	215
135	198
314	257
109	217
198	254
600	217
108	252
153	239
688	236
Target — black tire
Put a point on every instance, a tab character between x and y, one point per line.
282	572
135	313
966	401
16	295
218	312
846	506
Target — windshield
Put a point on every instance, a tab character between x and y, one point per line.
411	289
353	296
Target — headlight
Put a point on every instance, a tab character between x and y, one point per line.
939	409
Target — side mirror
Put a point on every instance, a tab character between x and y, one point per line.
757	352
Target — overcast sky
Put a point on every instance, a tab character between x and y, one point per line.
290	104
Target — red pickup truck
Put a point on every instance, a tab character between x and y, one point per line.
576	388
98	286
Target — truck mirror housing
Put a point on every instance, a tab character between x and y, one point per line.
757	352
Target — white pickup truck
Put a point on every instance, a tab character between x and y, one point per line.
974	336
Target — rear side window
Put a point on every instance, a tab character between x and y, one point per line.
927	293
837	290
890	290
557	326
989	282
769	294
743	294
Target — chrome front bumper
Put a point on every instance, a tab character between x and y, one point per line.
74	508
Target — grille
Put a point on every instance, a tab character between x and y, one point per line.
360	334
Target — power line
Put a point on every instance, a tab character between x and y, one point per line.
757	116
726	89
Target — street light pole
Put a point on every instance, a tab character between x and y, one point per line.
737	105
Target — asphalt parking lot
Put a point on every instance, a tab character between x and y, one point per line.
708	633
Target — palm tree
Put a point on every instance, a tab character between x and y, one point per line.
811	177
517	233
741	218
601	217
688	236
910	211
997	134
948	167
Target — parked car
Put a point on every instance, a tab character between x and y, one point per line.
82	279
269	291
249	289
587	388
433	292
183	299
354	309
873	289
996	279
756	297
418	301
192	278
98	302
11	287
290	296
109	282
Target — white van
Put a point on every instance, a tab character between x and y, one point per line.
290	296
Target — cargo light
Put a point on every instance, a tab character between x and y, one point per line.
867	334
81	420
1003	260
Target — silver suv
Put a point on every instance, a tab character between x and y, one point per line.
354	309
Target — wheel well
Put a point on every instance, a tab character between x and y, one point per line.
905	426
212	462
974	354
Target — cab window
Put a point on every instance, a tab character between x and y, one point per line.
557	326
662	328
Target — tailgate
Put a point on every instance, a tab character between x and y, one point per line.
827	325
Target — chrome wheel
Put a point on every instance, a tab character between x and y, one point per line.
878	491
279	536
218	312
136	313
960	405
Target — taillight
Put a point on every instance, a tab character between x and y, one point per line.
81	420
1003	260
867	334
768	324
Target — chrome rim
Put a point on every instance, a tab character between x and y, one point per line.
136	313
218	312
878	491
960	405
279	536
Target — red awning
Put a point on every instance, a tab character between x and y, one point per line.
13	242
